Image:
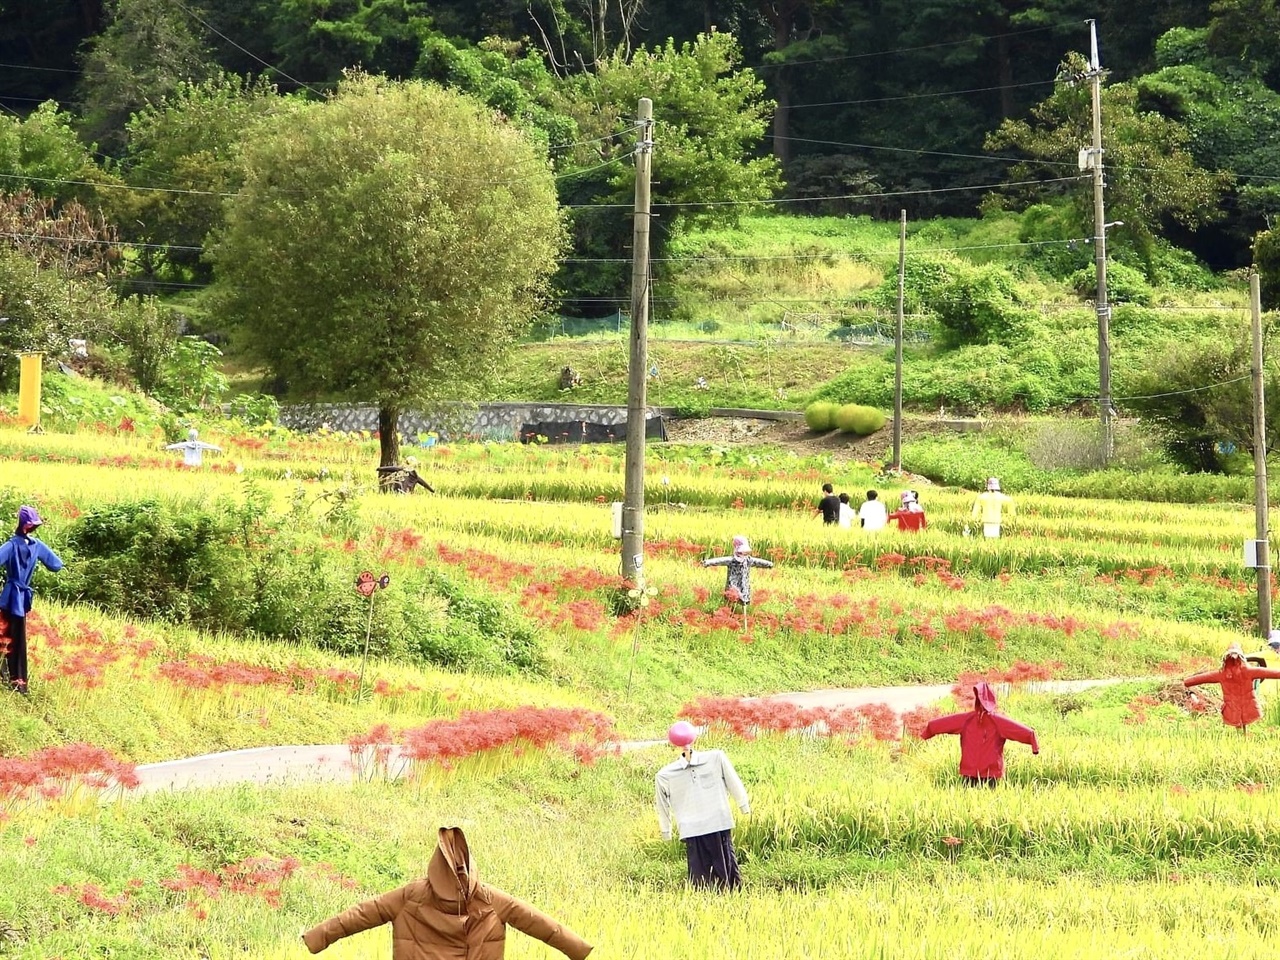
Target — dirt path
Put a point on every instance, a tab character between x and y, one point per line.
331	763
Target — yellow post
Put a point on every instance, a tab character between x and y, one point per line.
29	389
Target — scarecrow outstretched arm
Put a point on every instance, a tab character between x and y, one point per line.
1214	676
717	562
948	724
1012	730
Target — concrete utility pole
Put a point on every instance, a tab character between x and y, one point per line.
637	386
1100	250
1260	511
897	345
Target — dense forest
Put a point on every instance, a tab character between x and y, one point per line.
129	126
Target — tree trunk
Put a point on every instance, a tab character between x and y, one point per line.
389	436
1004	70
782	92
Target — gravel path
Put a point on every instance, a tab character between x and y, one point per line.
331	763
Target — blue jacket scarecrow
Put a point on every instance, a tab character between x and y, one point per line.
18	558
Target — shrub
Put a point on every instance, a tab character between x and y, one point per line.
1125	284
235	567
856	418
820	416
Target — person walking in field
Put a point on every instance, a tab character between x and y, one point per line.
983	733
991	507
910	516
829	505
846	513
695	790
1236	677
737	586
448	914
18	558
872	515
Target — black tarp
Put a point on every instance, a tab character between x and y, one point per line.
580	431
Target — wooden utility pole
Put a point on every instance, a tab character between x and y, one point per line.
897	344
637	386
1260	511
1100	250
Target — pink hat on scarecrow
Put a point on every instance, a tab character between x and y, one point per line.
993	483
682	733
741	544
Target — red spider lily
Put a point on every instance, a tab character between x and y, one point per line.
473	732
90	895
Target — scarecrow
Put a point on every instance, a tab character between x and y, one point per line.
448	913
193	449
1239	702
696	789
992	507
18	558
983	733
738	576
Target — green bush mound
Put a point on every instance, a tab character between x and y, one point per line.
859	419
240	568
820	416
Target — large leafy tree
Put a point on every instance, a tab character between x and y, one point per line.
710	115
188	142
388	244
148	48
1152	174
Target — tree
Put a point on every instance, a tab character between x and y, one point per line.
147	49
1151	173
189	141
388	245
42	153
1201	424
710	116
1266	256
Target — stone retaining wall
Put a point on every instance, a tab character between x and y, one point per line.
490	421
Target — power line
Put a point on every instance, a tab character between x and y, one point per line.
113	186
249	53
1030	161
105	243
919	96
926	46
863	196
1178	393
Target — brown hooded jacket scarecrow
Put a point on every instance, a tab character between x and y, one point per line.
1239	703
448	915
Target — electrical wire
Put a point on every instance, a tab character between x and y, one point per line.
249	53
927	46
920	96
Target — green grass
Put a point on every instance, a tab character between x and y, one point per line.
834	860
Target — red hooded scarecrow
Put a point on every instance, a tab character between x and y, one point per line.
983	732
1239	704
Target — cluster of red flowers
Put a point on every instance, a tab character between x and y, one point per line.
84	652
1021	672
447	741
202	672
254	877
54	772
486	567
90	895
749	718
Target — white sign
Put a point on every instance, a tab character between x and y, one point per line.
1251	554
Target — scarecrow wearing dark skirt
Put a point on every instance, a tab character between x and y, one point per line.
737	585
18	558
695	789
